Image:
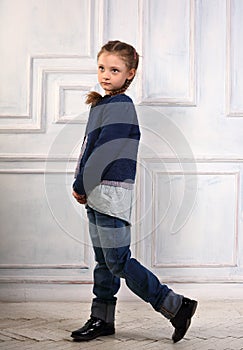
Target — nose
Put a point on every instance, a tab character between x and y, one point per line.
106	75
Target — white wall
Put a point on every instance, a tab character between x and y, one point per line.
188	91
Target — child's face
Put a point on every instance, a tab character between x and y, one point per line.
112	72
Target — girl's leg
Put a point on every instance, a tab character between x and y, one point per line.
113	234
111	240
142	281
114	239
106	285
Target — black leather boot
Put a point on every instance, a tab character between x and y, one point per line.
92	329
182	319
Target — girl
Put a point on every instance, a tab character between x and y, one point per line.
104	182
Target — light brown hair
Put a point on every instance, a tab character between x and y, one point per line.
131	59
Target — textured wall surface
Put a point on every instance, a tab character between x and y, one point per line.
187	216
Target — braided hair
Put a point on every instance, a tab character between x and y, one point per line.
130	57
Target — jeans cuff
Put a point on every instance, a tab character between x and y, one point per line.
171	305
103	311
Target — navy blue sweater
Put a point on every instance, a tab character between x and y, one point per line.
110	146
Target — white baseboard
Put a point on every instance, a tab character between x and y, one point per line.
10	292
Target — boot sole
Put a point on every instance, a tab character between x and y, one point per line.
101	334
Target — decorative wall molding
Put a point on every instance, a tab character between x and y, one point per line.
61	115
174	39
22	279
46	201
174	278
234	77
221	263
43	266
189	98
41	66
220	173
18	157
43	280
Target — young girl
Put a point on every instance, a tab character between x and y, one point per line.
104	182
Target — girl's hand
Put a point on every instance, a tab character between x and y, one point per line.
81	198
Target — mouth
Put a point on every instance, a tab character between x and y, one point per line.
105	83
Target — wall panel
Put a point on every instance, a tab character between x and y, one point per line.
235	58
208	237
211	243
34	233
70	36
187	215
169	73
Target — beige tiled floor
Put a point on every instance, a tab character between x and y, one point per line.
216	325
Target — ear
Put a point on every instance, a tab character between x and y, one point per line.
131	73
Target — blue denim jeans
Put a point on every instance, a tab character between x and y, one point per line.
111	243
